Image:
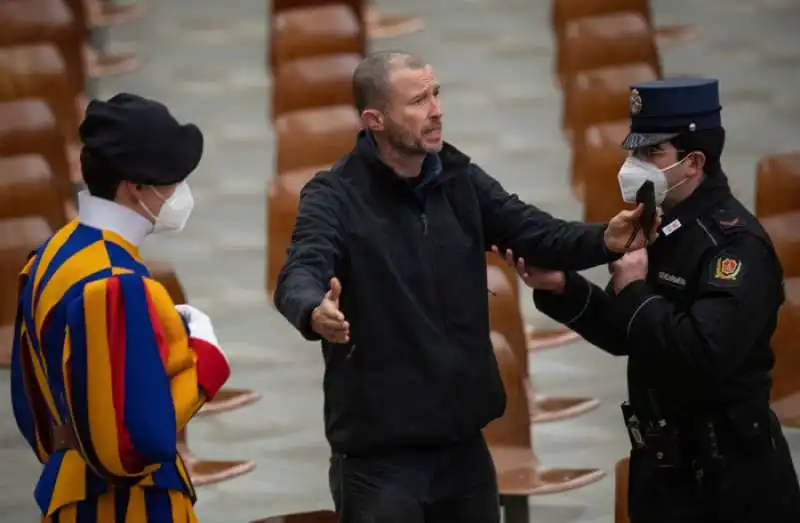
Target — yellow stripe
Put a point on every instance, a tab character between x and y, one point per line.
137	508
105	507
83	263
53	246
181	507
70	485
100	401
111	236
68	514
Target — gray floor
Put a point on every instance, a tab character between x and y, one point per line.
205	59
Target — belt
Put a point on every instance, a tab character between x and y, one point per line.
63	438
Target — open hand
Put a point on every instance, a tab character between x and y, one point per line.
535	278
327	320
624	225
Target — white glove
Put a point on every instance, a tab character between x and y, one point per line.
199	324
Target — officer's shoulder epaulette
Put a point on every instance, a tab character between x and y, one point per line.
730	221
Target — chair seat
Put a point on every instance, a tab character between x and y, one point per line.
784	230
313	31
28	187
564	11
777	184
227	400
319	136
545	409
520	474
206	472
316	81
318	516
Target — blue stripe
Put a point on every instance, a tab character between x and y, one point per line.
19	397
121	258
150	413
43	493
81	238
157	506
168	477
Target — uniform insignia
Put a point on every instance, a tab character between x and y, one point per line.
636	101
727	269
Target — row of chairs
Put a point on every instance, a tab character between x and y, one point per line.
42	80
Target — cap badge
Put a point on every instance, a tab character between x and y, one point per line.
636	101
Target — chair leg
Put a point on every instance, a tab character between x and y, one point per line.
515	509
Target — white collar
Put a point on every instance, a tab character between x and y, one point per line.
107	215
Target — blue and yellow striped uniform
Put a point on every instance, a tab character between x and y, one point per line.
99	347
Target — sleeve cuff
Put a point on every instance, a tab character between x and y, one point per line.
213	369
630	302
568	306
611	256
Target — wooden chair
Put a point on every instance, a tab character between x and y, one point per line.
39	71
28	188
505	319
302	32
313	82
204	472
319	136
566	11
785	392
778	184
621	475
283	196
599	96
46	21
519	473
29	127
605	41
18	238
596	162
320	516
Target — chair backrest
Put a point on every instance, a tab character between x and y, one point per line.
320	136
601	95
283	197
513	428
18	238
600	158
315	28
605	41
505	316
778	184
786	370
565	11
317	81
164	274
29	188
621	475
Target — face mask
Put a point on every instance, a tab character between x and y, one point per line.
175	212
634	172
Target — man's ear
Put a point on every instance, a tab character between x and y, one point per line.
697	160
372	120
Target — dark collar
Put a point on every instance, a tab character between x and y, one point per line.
435	168
709	193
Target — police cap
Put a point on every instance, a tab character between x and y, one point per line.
663	109
137	140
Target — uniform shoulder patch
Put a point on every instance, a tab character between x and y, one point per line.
726	270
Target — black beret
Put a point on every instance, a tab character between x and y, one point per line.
137	140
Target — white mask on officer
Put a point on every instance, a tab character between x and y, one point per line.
174	212
634	172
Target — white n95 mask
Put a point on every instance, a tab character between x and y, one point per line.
175	212
634	172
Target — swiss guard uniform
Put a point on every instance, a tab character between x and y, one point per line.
106	370
705	445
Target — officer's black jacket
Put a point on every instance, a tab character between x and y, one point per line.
419	370
697	330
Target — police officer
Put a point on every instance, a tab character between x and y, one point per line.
694	313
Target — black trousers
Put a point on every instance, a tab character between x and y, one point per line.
759	487
450	485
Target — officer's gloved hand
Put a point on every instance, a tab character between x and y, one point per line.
199	324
